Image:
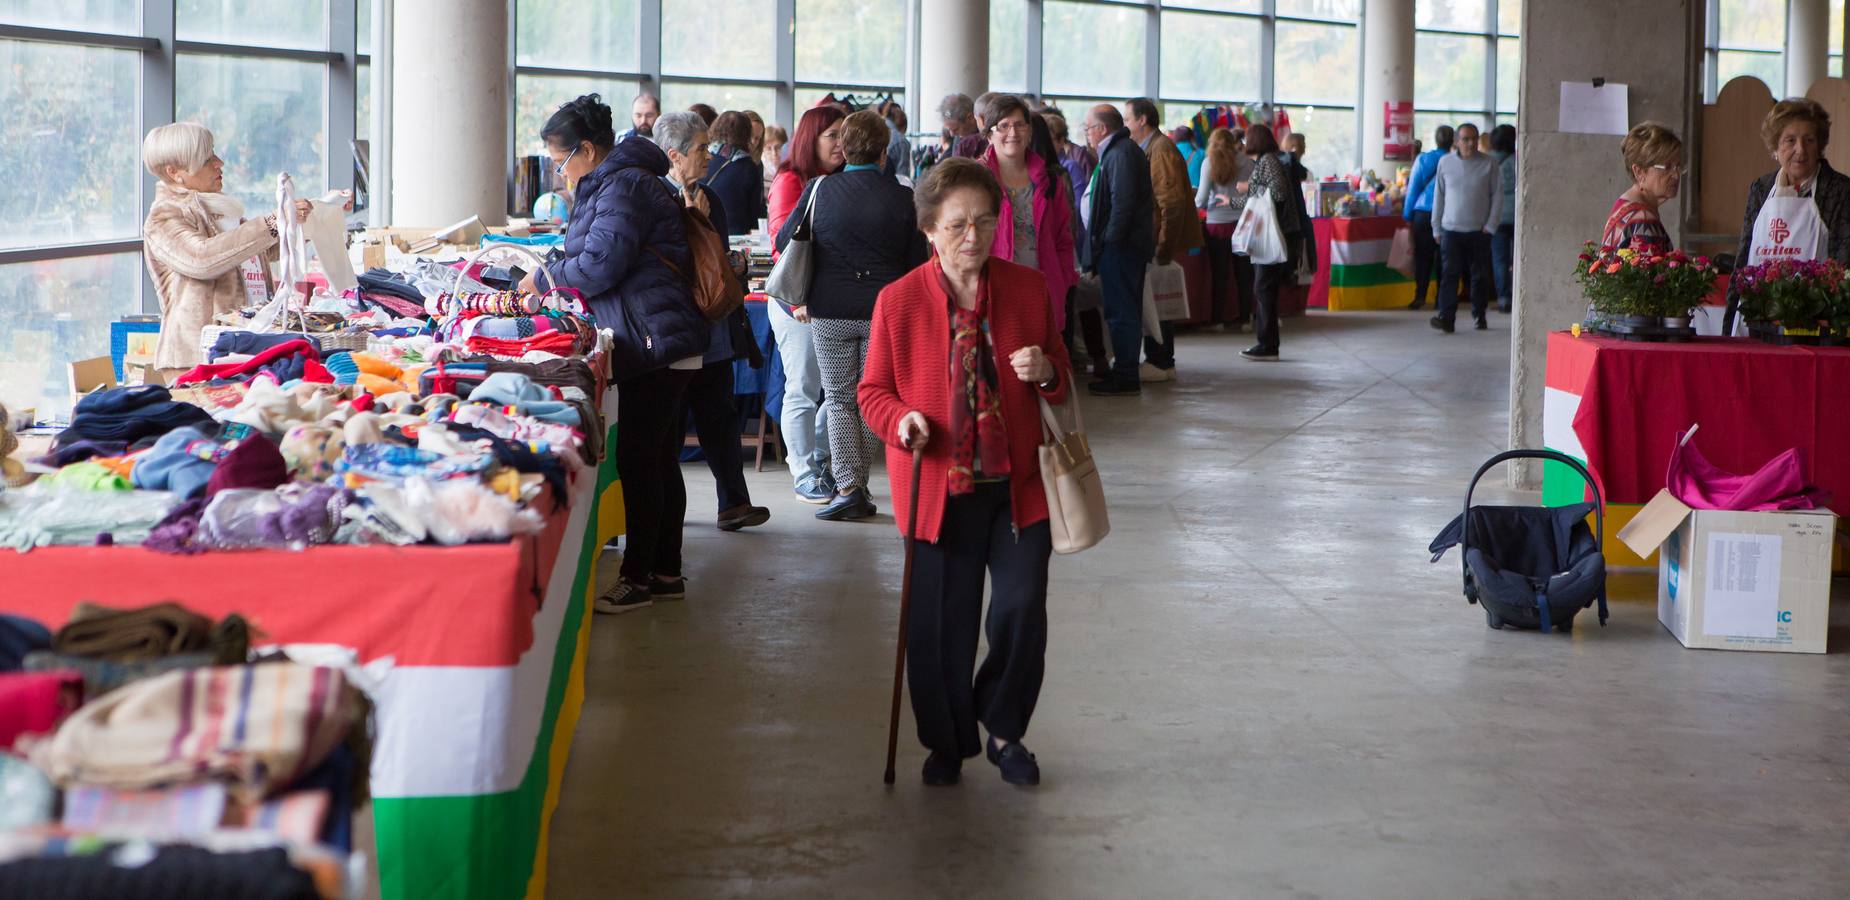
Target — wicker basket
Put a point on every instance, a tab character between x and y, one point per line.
334	342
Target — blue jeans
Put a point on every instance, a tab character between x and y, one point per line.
806	434
1502	257
1120	276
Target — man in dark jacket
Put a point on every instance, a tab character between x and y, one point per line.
1118	210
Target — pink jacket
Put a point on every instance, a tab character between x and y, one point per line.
1053	229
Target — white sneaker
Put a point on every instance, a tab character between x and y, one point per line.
1150	374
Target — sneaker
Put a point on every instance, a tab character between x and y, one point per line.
1440	323
1017	764
624	597
1483	323
744	515
1113	386
1149	374
846	507
667	587
1259	353
941	770
814	492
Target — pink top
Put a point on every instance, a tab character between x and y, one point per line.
1053	228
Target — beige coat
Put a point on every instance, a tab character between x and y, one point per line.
1178	227
194	267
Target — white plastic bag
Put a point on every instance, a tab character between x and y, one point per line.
1257	236
1165	296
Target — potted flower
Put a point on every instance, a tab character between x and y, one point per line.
1788	301
1645	291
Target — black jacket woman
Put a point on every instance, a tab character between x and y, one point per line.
622	251
1271	178
865	236
1810	199
733	172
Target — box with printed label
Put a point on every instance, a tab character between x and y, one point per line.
1739	580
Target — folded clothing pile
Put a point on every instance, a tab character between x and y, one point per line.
129	414
291	360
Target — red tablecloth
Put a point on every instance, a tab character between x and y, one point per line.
404	602
1752	400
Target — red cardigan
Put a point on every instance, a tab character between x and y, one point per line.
908	368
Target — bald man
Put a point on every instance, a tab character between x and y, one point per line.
1118	209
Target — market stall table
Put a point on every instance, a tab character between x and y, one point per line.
477	652
1619	407
1352	269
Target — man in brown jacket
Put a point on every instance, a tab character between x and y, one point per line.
1178	228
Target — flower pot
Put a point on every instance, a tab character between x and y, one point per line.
1642	321
1676	321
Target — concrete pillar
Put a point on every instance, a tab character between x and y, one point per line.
953	54
1808	52
449	111
1387	74
1567	182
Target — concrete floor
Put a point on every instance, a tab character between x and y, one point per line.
1257	687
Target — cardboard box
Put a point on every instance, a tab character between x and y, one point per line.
1739	580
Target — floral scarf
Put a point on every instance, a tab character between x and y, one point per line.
979	442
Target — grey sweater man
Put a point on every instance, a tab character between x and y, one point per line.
1467	195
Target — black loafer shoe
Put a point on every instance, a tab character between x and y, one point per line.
1259	353
1113	386
1483	324
942	771
1440	323
743	516
853	505
662	588
1017	764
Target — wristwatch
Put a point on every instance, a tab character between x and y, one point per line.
1051	383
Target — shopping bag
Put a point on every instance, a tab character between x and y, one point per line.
1257	235
1165	296
1400	253
1075	493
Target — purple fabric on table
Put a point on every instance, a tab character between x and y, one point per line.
78	451
179	531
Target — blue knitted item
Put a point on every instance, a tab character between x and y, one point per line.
343	368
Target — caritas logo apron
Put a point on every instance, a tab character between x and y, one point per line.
1788	228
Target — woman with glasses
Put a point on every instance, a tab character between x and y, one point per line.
964	348
1654	159
863	238
624	251
1802	210
1037	209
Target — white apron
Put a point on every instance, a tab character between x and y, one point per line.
1787	228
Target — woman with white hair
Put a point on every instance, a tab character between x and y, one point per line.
196	239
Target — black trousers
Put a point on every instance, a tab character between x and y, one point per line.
1467	254
716	422
1267	282
651	410
1426	257
947	609
1161	353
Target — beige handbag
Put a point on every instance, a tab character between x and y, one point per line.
1075	494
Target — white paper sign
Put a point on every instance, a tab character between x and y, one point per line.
1586	109
1743	589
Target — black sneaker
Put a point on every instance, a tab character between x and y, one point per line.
1017	764
624	597
743	516
942	771
1259	353
1440	323
846	507
1483	323
1113	386
661	588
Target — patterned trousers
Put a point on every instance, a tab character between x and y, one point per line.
841	354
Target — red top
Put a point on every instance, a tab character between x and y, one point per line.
1634	225
908	359
786	190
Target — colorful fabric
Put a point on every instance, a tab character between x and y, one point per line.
979	443
391	462
85	476
255	727
1636	226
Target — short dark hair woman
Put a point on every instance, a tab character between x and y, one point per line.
864	238
624	235
733	172
976	412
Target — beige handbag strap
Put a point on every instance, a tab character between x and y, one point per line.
1052	429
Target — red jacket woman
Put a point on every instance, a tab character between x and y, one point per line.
961	352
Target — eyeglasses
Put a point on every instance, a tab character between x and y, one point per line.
1009	127
957	230
559	169
1679	171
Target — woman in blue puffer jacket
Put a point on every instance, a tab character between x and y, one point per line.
624	235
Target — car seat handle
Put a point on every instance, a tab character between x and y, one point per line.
1599	500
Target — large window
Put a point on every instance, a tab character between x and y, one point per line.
719	38
1467	63
1748	38
1008	38
1209	57
73	110
1091	48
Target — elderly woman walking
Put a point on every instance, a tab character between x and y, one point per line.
963	349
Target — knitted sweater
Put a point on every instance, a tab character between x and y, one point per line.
908	368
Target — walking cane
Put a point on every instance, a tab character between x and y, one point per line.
905	609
